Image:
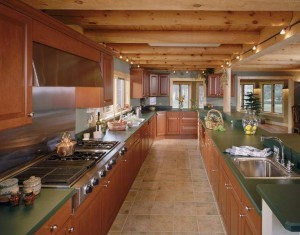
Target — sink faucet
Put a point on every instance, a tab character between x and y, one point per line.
262	138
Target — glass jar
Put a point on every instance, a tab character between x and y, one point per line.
33	183
250	122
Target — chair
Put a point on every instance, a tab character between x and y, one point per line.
296	118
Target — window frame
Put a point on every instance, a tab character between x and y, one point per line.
272	98
242	85
189	84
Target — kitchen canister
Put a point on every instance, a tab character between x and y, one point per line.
33	183
8	187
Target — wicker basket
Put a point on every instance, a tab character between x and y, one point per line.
117	126
211	124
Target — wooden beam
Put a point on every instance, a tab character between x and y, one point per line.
172	18
146	49
179	57
182	62
176	67
189	5
127	36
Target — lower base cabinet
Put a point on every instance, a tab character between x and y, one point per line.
238	213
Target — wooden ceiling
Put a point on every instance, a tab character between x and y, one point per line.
128	27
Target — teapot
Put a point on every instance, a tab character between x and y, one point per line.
66	147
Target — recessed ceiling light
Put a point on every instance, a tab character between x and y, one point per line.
184	44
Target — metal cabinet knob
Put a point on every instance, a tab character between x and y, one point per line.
71	230
242	216
30	114
247	208
53	228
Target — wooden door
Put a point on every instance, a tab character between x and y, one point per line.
173	123
161	121
107	63
164	86
154	85
15	69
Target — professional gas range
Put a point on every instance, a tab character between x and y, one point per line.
82	171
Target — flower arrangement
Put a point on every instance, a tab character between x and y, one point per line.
180	100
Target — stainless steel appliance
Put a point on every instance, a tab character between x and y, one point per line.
82	171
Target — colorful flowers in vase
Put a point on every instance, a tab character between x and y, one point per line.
180	100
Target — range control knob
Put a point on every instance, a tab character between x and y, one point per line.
112	161
121	153
88	189
124	149
102	173
108	166
94	181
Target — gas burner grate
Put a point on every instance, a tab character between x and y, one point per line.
94	144
78	156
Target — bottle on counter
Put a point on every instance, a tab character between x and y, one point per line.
98	123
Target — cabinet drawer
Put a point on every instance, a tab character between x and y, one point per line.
56	222
189	115
192	121
188	130
173	114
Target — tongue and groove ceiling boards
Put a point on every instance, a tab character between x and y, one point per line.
189	34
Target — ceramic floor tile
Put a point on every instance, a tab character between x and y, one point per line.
145	195
210	224
125	208
165	196
131	195
185	208
161	223
141	208
206	208
162	208
137	223
185	224
204	197
119	222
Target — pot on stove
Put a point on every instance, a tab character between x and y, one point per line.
66	147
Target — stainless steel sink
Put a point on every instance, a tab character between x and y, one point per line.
261	168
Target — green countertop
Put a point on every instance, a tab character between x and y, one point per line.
22	220
284	202
235	137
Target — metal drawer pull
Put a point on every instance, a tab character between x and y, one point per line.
53	228
242	216
71	230
30	114
248	208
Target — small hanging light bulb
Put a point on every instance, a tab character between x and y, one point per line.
131	62
222	66
283	31
138	65
120	56
127	59
254	48
227	62
237	57
187	72
174	71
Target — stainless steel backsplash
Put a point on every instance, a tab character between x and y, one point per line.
55	113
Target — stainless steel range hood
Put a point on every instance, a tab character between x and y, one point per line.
53	67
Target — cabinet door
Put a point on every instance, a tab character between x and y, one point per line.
111	197
222	199
15	69
173	123
234	207
146	84
154	85
214	88
161	120
164	85
107	63
136	83
88	97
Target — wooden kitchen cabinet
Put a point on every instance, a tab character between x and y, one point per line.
107	68
15	69
173	122
88	97
139	83
189	123
159	84
214	86
161	122
60	223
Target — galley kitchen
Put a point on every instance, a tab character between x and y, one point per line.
149	117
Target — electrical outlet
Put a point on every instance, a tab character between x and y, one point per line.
276	150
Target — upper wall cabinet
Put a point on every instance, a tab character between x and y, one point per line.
107	68
15	68
139	83
159	84
214	86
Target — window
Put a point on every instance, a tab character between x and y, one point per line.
272	98
181	90
245	88
120	92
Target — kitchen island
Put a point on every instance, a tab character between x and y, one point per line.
234	136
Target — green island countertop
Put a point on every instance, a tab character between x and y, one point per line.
284	201
234	136
20	220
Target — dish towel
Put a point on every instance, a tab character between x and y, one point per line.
249	151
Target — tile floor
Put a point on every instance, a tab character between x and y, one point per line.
171	194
